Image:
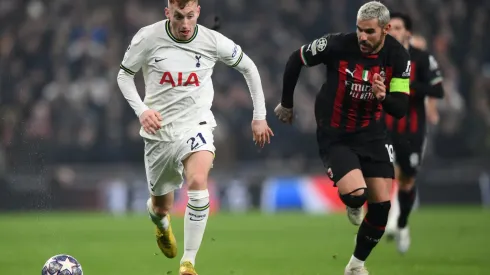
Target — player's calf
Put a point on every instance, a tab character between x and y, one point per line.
158	209
196	214
369	234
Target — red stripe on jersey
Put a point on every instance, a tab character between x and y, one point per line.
389	119
402	125
339	95
354	107
369	104
414	124
413	111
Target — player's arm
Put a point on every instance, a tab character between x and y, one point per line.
133	60
232	55
308	55
397	98
431	82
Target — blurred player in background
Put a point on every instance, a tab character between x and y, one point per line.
367	72
408	134
177	57
419	42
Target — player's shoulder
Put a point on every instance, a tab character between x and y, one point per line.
395	48
150	31
342	39
209	34
417	54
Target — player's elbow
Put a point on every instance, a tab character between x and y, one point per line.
123	77
294	60
438	91
396	105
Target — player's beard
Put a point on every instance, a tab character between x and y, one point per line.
373	48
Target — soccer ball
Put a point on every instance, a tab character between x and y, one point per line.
62	265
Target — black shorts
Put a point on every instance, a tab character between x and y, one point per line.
408	153
374	158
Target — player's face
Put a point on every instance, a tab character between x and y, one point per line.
371	35
398	30
183	21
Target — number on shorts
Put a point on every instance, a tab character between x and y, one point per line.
195	143
391	152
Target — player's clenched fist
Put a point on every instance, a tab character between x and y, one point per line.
261	132
379	88
150	120
284	114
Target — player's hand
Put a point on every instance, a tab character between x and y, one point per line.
151	121
379	88
284	114
261	132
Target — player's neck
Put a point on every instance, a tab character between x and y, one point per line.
406	45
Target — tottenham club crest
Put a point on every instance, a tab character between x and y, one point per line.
198	58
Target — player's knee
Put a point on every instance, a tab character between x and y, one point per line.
377	214
197	182
354	199
161	211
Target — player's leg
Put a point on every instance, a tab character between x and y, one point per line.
408	159
343	168
379	174
198	156
162	181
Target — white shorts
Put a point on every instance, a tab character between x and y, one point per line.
164	159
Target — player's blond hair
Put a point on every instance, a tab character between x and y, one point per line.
181	3
374	10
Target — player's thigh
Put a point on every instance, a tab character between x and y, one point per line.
197	155
408	156
377	160
163	173
343	168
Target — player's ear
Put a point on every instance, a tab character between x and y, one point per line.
198	10
167	12
386	28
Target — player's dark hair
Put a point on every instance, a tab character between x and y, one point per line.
407	21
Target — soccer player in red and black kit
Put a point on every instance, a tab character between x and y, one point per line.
408	133
367	72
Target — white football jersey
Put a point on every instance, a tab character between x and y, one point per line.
178	73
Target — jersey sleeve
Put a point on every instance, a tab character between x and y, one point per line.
319	50
228	51
432	73
400	81
135	55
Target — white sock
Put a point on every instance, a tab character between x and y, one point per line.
355	262
195	219
162	223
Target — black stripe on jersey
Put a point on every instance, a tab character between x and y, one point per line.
126	70
238	61
175	39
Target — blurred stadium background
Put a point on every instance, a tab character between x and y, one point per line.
69	142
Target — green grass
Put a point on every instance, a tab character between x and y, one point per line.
445	241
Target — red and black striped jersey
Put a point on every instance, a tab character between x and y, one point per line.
345	105
424	74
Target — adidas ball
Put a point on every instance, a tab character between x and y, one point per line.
62	265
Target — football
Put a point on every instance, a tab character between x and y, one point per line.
62	265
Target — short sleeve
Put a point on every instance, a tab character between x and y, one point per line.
319	50
400	81
432	73
135	55
228	51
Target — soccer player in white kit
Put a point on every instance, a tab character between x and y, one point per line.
177	57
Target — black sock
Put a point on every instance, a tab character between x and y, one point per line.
406	200
371	229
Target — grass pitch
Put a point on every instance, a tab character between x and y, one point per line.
445	241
